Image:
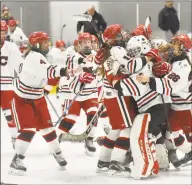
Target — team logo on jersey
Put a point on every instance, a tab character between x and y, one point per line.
3	60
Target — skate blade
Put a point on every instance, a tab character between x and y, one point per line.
102	170
16	172
88	153
62	168
186	164
123	174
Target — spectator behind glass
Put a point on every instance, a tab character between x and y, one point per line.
5	14
98	18
168	20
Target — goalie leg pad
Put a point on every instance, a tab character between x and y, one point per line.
141	152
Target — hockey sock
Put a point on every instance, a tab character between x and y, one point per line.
108	145
50	136
122	144
23	140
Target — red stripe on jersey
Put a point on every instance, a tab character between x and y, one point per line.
167	88
147	98
131	86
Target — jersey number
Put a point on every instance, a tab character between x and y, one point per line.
20	67
3	61
174	77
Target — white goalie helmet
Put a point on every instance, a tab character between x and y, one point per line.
137	46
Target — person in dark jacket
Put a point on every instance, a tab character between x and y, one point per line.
98	19
168	20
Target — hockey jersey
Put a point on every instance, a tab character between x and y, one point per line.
33	75
176	84
143	95
130	65
10	61
56	56
18	37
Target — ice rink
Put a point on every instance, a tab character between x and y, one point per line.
81	169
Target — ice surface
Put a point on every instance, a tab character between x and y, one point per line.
43	169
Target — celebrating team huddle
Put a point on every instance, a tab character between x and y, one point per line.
141	87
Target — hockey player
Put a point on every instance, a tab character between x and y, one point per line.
10	60
120	109
149	105
162	46
70	51
177	84
56	54
86	84
15	34
29	106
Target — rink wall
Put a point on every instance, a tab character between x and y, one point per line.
51	16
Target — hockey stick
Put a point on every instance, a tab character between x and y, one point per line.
86	17
54	109
83	136
68	107
62	31
147	23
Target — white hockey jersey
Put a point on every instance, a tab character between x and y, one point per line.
131	65
10	61
18	37
177	84
56	56
143	95
70	51
89	91
33	75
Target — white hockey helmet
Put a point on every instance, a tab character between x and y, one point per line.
137	46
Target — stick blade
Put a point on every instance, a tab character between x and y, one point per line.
82	17
147	21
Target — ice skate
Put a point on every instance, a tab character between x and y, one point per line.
89	147
17	167
102	167
60	159
117	169
186	158
172	156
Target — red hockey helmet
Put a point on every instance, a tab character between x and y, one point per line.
183	40
38	37
84	36
4	26
12	23
111	33
60	43
140	30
